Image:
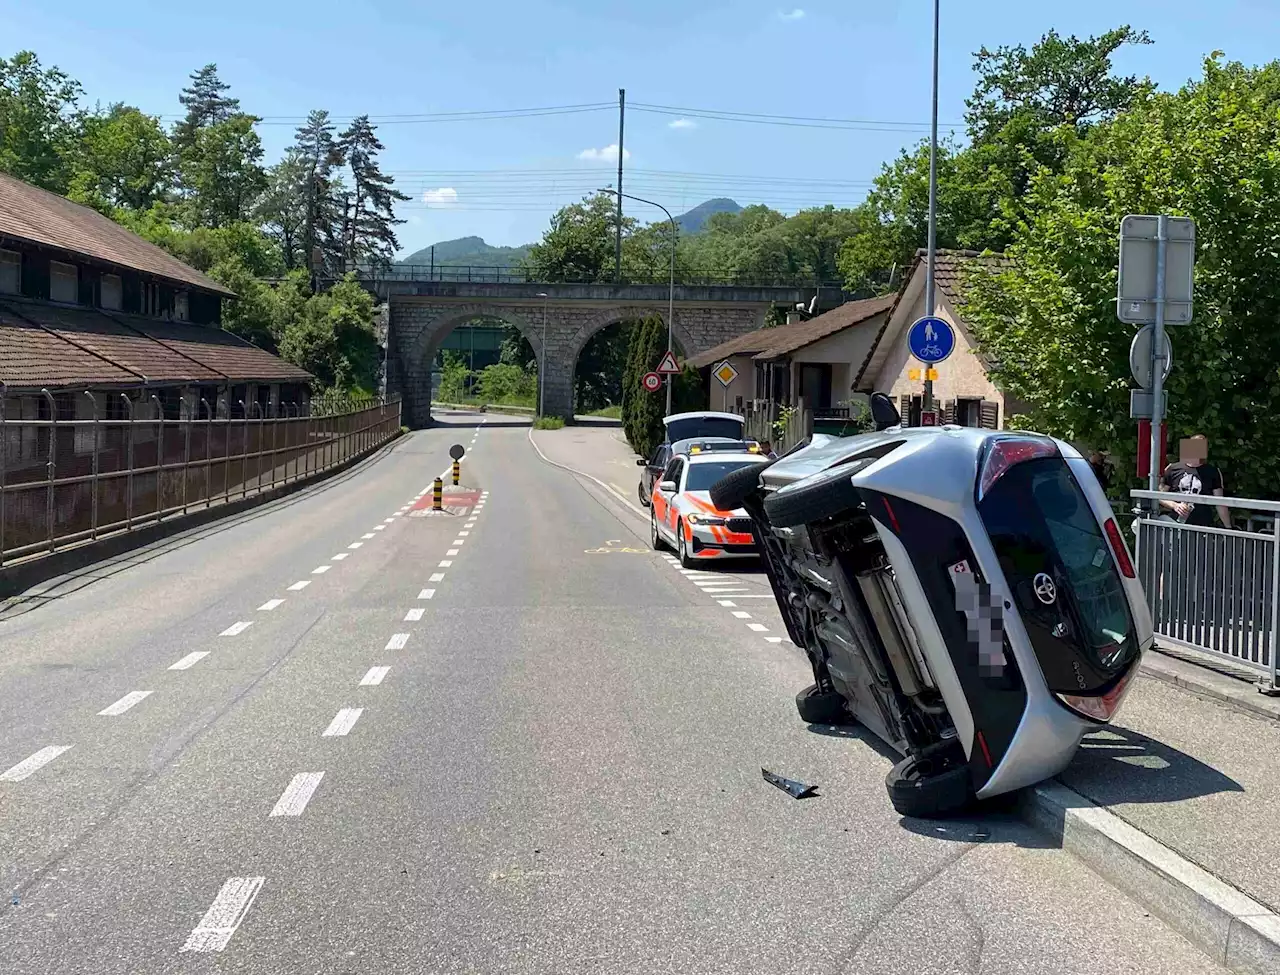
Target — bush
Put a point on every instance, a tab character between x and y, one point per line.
549	423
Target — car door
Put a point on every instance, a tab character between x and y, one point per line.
657	463
661	501
674	472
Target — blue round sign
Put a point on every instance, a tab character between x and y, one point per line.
931	339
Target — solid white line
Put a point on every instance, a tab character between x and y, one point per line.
342	722
190	660
339	557
426	594
414	615
125	703
235	629
300	585
354	545
463	535
269	605
33	763
397	641
445	563
297	794
758	627
321	570
367	535
374	677
700	572
726	602
739	614
436	577
222	919
452	551
724	591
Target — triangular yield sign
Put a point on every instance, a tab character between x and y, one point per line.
668	366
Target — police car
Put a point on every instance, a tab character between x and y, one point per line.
681	515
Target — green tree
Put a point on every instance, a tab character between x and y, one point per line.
39	121
579	245
643	412
282	207
320	155
333	339
455	377
206	103
221	171
124	159
368	231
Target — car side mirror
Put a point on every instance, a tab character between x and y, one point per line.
641	462
883	412
667	487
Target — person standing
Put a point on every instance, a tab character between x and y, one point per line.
1193	474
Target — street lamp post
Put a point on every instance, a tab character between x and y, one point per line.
671	290
929	297
542	353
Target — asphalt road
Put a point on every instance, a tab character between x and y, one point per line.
511	740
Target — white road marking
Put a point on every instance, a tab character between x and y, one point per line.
397	641
355	545
235	629
445	563
700	572
190	660
724	591
225	915
757	595
471	523
459	541
758	627
300	585
339	557
269	605
452	551
367	535
33	763
378	528
297	794
414	615
342	722
374	677
726	602
125	703
739	614
426	594
436	577
387	521
774	639
463	534
394	517
320	570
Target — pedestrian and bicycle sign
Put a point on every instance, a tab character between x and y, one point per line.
725	373
668	366
931	339
651	382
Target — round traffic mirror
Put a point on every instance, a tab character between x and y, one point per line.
456	451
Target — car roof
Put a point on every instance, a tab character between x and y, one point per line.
723	455
703	415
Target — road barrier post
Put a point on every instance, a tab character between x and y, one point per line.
457	472
437	495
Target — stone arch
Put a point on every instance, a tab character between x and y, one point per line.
606	317
427	341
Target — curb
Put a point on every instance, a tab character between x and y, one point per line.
1231	927
1195	679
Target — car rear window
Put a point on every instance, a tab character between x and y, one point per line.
708	426
1058	562
702	476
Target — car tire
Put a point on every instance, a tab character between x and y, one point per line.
921	792
819	496
655	539
644	498
822	707
682	548
731	491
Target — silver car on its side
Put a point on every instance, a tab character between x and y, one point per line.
965	594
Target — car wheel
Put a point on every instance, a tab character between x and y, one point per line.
731	491
682	547
655	539
919	788
822	707
817	497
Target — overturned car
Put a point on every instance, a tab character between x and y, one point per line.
965	594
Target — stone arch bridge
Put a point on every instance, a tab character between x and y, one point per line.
422	314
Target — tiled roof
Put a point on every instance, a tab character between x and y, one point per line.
30	213
31	358
748	344
797	336
218	350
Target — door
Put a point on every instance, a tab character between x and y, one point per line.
815	384
663	510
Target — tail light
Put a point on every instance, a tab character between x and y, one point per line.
1119	549
1006	452
1103	707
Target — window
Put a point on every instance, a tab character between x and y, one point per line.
10	272
64	282
968	412
111	292
180	306
672	473
702	476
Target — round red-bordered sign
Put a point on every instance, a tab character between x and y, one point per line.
652	382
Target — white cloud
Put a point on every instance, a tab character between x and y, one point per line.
682	123
442	197
795	13
608	154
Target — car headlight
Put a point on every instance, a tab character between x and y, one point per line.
706	520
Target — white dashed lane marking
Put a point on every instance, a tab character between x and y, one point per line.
269	605
427	594
225	915
342	722
339	557
726	602
235	629
452	551
374	677
774	639
297	794
463	534
758	627
367	535
413	615
300	585
379	528
355	545
445	563
436	577
125	703
740	614
321	570
398	641
32	764
190	660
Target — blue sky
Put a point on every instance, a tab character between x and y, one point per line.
852	59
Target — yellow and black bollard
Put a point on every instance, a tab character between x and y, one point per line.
437	495
457	472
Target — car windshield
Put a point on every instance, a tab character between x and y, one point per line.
702	476
704	426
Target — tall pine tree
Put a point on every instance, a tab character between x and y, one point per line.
369	218
320	154
206	104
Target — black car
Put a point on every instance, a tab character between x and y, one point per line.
685	426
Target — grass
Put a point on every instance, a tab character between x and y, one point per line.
613	412
549	423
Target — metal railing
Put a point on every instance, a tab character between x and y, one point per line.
480	274
64	481
1213	589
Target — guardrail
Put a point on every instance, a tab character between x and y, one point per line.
482	274
1213	589
68	481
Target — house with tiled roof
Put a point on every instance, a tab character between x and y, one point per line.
87	306
963	391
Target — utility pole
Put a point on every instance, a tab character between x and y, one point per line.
617	243
929	296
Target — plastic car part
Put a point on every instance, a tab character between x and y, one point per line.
1006	452
822	707
731	491
796	790
924	789
1119	549
1100	707
883	413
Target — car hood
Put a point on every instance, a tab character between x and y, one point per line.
701	501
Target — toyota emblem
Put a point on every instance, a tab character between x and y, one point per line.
1044	588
